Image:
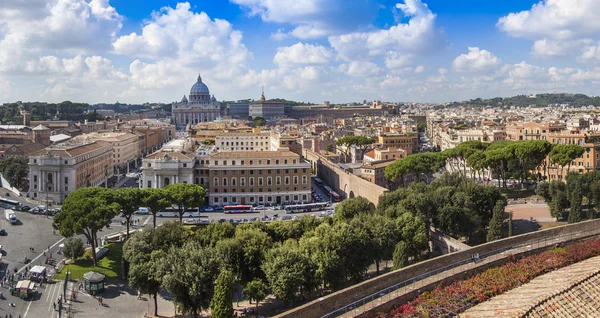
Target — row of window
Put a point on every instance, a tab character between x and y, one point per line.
251	162
261	199
216	190
233	181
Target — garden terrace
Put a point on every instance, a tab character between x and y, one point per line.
385	292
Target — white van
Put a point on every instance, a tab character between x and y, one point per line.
142	211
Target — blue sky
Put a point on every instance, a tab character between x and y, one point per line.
309	50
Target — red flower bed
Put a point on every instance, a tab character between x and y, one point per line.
445	301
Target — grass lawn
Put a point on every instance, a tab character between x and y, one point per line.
109	264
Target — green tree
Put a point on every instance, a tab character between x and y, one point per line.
495	228
155	200
401	255
285	268
212	234
382	234
189	275
145	264
14	170
221	305
229	252
350	208
329	148
86	211
323	248
254	243
169	234
258	122
575	215
73	248
185	196
255	290
130	200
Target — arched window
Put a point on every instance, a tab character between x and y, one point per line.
167	181
224	182
49	178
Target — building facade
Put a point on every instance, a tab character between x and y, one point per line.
60	169
126	146
232	177
259	141
257	178
201	107
240	110
267	109
407	142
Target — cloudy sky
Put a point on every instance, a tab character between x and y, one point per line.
309	50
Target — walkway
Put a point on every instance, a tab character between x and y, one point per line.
516	302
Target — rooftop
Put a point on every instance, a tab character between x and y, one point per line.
253	154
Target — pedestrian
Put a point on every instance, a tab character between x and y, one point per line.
100	299
54	306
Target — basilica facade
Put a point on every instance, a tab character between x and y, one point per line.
200	107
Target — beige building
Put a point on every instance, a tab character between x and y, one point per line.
243	141
60	169
407	142
257	178
126	146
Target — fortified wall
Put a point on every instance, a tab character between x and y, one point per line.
343	182
535	240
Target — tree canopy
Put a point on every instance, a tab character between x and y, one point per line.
86	211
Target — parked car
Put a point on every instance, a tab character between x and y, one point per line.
189	221
208	209
286	217
3	232
258	208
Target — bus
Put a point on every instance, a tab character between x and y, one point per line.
334	196
237	209
310	207
174	212
327	189
9	204
318	182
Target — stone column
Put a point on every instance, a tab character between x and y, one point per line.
155	181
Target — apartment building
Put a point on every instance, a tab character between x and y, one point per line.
58	170
232	177
126	146
407	142
259	141
257	177
384	154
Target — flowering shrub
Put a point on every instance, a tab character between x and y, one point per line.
450	300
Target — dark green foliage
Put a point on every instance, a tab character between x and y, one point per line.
86	211
258	122
221	305
189	275
14	170
73	248
495	228
185	196
350	208
285	268
255	290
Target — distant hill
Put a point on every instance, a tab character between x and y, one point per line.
539	100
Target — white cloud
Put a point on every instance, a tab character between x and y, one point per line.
394	61
419	69
280	35
312	18
360	69
302	54
557	27
418	36
554	19
442	71
477	60
590	55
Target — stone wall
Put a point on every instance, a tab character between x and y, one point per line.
339	299
343	182
446	244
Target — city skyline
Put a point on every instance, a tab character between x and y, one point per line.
410	50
